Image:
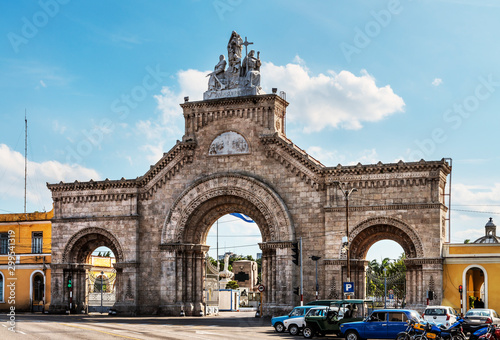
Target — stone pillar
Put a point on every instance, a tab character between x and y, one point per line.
169	283
57	291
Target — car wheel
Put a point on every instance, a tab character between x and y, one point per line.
278	326
352	335
293	329
308	332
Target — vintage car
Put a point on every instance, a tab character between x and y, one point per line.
299	311
339	312
295	325
381	324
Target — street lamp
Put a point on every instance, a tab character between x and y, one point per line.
315	259
346	194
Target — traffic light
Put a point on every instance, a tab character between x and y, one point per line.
69	282
296	290
296	253
460	289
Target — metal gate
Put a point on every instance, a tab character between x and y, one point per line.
101	290
392	287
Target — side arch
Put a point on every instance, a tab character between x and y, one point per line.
80	244
375	229
207	199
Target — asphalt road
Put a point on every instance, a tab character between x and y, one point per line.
229	325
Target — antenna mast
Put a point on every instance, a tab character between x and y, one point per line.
25	159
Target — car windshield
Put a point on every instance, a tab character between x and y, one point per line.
316	312
435	311
297	312
415	316
478	313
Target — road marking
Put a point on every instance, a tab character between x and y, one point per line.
21	332
95	330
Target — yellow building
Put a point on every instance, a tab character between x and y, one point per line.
25	256
476	267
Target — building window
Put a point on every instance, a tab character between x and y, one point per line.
4	243
37	242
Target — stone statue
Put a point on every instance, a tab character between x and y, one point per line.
216	81
226	275
234	48
250	69
240	78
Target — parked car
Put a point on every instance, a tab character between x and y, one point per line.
444	315
381	324
299	311
337	313
295	325
476	316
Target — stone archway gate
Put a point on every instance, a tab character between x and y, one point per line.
235	157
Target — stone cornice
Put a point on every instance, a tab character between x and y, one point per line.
420	261
93	185
233	101
355	172
275	245
295	159
407	206
199	248
95	218
171	161
158	174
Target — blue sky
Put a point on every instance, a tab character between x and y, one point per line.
367	81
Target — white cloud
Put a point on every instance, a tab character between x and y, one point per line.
38	196
42	83
437	81
339	100
170	123
332	158
474	195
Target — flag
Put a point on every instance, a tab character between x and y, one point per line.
243	217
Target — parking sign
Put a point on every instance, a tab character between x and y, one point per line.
348	287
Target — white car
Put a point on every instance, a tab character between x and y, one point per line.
444	315
296	325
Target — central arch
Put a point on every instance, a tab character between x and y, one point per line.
188	222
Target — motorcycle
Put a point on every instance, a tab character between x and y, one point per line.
413	329
492	333
439	332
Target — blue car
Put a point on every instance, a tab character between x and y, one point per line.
380	324
277	321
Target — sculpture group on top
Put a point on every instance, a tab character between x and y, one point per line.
241	78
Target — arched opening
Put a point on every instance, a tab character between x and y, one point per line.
188	224
101	280
233	238
403	283
93	253
475	287
386	274
37	291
